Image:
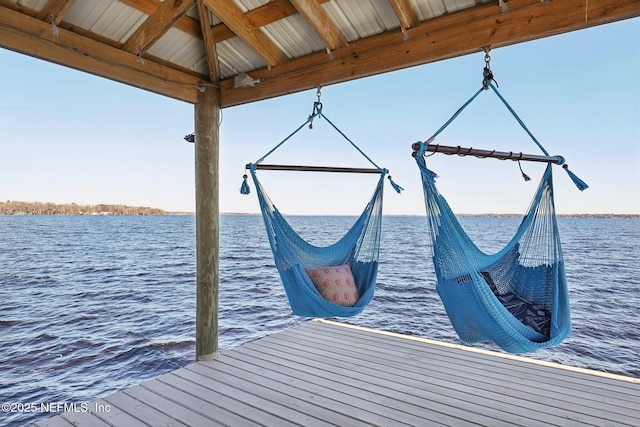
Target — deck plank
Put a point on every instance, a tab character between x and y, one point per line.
344	408
374	397
233	399
564	382
263	396
496	381
326	374
621	399
149	392
540	369
86	418
374	376
55	421
140	410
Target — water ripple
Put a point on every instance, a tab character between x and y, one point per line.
91	305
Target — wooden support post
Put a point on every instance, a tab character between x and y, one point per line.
207	142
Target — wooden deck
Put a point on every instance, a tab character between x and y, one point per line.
323	373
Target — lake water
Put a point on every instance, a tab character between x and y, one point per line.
93	304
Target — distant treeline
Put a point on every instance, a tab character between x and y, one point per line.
38	208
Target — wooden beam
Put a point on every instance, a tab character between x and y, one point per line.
232	16
452	35
209	42
33	37
405	13
270	12
156	25
207	147
185	23
260	16
320	21
55	9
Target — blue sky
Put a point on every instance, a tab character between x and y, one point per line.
67	136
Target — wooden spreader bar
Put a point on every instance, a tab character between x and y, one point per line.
476	152
316	169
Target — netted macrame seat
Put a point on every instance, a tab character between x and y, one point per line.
294	256
517	297
354	256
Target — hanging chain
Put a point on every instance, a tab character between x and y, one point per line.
487	74
317	107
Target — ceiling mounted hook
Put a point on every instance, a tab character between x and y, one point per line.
317	107
487	74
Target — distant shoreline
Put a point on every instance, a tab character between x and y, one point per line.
40	208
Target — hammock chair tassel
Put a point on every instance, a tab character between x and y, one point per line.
577	181
244	188
394	185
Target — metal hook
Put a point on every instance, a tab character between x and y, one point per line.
317	107
487	74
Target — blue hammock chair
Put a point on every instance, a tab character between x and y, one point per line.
294	257
517	297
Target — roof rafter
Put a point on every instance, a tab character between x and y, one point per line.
247	31
18	30
55	10
452	34
271	12
448	36
185	23
156	25
405	13
260	16
209	44
320	21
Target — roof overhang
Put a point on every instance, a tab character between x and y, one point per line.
43	34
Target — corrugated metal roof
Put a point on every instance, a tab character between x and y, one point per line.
428	9
109	18
294	36
246	5
246	35
32	4
363	18
235	57
179	48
